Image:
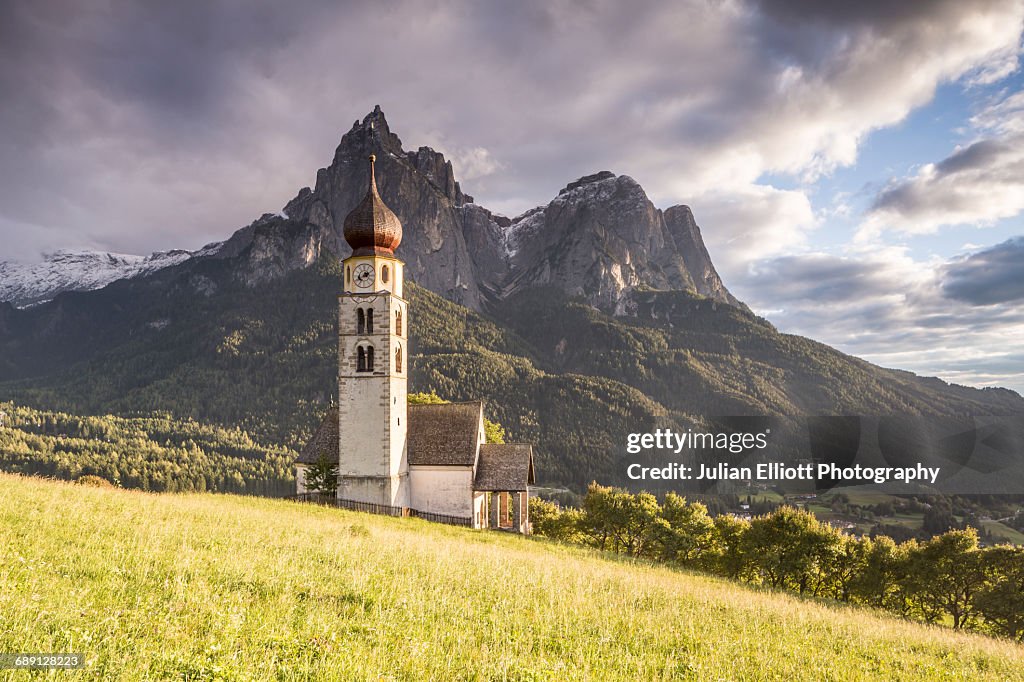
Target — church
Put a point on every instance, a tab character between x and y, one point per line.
409	460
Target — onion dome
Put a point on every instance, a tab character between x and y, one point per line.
372	228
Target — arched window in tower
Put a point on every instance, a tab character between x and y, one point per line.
361	362
398	359
384	274
348	274
369	358
369	320
398	322
360	321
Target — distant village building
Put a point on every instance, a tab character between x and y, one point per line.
431	459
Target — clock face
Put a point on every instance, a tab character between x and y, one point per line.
363	275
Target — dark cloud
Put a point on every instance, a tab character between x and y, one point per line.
978	155
989	277
821	279
863	12
984	162
896	312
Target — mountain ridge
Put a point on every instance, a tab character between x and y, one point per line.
26	284
608	245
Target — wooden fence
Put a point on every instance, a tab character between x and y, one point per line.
442	518
383	509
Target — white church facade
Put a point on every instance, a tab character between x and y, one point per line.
420	459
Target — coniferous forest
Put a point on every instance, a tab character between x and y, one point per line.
155	453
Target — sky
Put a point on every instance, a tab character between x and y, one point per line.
857	168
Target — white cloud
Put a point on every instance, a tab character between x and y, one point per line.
471	164
979	191
752	222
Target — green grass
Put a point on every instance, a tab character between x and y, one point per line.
1002	531
200	586
861	497
764	496
913	521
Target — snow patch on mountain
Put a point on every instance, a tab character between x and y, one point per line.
521	229
26	284
591	189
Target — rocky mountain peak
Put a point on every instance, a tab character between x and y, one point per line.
588	179
600	237
371	135
451	246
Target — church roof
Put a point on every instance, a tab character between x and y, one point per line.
504	467
444	435
372	227
324	442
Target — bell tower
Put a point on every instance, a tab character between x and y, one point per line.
373	327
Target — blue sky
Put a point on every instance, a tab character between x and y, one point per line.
928	133
908	323
857	168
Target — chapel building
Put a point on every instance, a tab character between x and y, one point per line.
395	457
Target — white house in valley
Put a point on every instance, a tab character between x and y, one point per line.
392	456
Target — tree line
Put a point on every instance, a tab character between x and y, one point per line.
155	452
948	579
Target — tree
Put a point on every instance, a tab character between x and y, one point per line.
619	521
1000	600
785	548
938	520
688	534
431	398
944	575
842	562
548	520
493	431
322	475
880	581
730	558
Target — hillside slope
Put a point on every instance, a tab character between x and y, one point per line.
204	586
556	372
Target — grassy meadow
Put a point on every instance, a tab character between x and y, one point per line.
202	587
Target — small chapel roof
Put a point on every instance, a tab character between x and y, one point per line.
504	467
324	442
445	434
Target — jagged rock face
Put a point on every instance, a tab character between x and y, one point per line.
441	229
689	243
602	238
275	246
